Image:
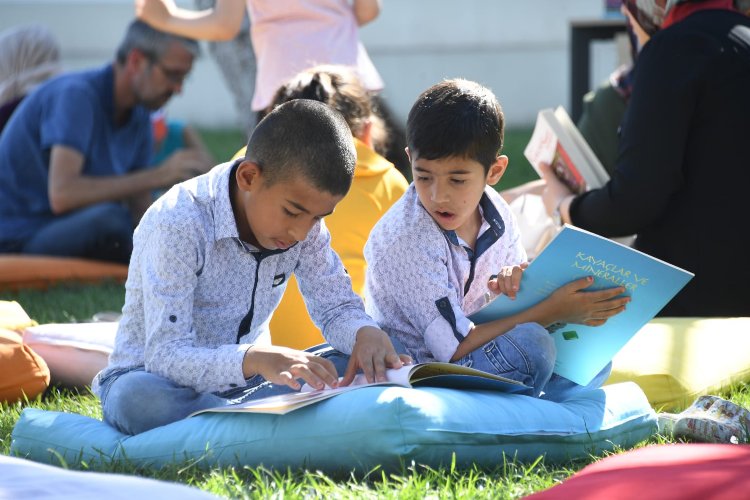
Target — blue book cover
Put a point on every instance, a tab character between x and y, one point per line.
582	351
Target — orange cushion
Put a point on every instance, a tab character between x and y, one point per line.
32	271
23	372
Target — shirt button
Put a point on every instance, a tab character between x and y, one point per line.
232	385
173	318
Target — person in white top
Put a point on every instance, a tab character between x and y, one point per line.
287	36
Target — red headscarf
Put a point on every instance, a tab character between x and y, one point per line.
652	15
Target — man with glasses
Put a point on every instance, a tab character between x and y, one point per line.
73	157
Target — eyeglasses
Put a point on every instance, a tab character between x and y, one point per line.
175	76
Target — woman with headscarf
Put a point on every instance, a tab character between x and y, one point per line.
682	173
29	55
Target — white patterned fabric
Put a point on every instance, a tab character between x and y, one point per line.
414	267
197	297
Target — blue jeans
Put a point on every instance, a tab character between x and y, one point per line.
527	354
101	232
134	400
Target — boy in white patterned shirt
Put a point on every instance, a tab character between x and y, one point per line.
210	263
434	257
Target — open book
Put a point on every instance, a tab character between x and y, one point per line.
421	374
557	141
582	351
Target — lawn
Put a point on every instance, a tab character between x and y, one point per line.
510	479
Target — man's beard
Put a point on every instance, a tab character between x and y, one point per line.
156	102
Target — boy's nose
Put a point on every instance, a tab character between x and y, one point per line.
439	193
298	232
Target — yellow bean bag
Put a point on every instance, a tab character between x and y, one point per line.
13	317
38	271
674	360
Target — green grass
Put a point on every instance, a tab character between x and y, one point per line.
519	169
508	480
223	143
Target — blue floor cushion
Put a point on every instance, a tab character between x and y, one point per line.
362	429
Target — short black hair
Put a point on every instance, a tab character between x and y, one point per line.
152	42
457	118
308	138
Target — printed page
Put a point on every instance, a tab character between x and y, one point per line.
279	405
449	375
551	143
396	376
595	173
543	143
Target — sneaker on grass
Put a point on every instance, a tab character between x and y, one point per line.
710	419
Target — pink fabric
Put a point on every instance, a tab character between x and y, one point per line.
292	35
679	472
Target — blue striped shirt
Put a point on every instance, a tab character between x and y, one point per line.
197	297
423	282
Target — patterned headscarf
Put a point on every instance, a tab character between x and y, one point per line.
650	13
29	55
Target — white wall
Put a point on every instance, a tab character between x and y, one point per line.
519	48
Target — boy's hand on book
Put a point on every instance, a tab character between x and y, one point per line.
282	365
373	353
508	280
571	303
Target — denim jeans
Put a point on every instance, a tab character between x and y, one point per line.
527	354
560	388
134	400
102	232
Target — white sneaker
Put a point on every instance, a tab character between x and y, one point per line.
709	419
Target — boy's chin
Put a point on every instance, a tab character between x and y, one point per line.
447	224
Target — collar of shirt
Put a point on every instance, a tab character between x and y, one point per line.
226	226
490	231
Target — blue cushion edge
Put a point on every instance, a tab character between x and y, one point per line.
359	430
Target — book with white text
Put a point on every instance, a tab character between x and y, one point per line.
435	374
557	141
582	351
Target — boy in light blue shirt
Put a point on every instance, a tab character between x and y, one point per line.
210	263
450	245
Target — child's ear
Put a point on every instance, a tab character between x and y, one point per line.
408	156
248	175
365	135
497	170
